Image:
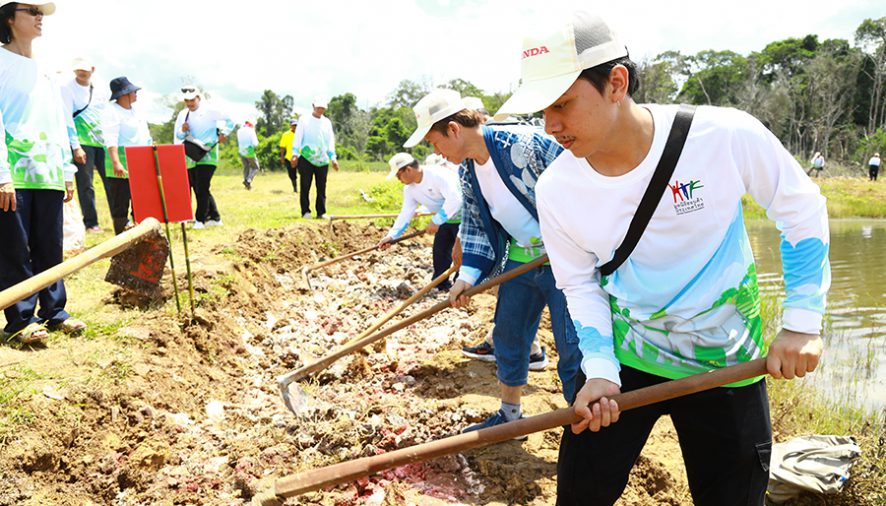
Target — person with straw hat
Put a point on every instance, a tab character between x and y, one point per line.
36	175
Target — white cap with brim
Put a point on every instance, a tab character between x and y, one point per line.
190	92
397	162
47	9
436	105
82	64
552	62
320	102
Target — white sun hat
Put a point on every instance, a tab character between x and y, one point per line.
397	162
551	62
436	105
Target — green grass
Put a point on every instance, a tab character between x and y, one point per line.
848	197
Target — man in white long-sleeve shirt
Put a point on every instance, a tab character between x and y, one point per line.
84	102
685	301
313	149
247	143
437	189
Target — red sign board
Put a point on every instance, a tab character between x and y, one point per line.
145	190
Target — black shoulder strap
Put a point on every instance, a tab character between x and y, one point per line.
77	113
656	188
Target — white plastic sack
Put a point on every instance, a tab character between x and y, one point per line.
817	464
73	228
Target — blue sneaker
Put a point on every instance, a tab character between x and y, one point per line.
538	361
483	351
497	418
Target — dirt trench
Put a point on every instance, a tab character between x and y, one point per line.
192	415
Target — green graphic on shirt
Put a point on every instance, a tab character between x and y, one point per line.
88	133
635	341
32	164
109	165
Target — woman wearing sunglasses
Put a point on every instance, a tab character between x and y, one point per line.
36	174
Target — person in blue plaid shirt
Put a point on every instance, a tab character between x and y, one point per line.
500	231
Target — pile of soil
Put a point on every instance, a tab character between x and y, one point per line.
170	413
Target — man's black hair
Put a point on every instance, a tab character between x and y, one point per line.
599	75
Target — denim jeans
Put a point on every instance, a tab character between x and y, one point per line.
32	239
517	316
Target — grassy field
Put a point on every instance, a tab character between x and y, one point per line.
848	197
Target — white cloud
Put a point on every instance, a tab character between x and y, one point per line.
304	48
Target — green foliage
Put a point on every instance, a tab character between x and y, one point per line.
716	77
162	133
387	196
268	151
407	94
274	113
870	144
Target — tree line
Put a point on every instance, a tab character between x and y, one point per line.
827	96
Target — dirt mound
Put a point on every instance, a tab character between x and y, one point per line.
162	412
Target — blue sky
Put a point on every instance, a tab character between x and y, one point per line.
304	48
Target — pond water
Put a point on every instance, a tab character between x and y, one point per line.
853	368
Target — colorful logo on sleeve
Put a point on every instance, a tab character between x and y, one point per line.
686	196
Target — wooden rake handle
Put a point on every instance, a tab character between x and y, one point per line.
371	216
324	363
357	344
344	472
105	249
360	252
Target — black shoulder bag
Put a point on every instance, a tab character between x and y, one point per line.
77	112
656	188
194	148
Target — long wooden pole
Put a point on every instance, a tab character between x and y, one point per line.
337	259
326	361
108	248
344	472
370	216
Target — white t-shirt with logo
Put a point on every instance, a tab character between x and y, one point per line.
686	299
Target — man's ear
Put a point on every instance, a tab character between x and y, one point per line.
618	82
454	128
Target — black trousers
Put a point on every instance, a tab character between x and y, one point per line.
200	178
307	171
873	170
119	196
293	175
32	242
444	240
95	157
725	437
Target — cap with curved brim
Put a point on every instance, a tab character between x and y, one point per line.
47	9
417	136
433	107
534	96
